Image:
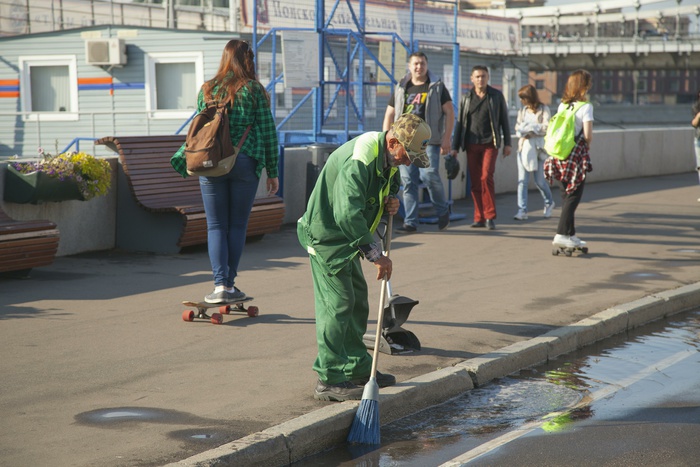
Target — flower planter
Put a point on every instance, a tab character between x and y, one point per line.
38	187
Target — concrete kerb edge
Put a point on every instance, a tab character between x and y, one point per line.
327	427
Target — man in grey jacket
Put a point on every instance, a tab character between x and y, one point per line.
423	93
482	125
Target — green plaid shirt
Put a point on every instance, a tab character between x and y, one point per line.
249	108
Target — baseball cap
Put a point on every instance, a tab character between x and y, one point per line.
413	134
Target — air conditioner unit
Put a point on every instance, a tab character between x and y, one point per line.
110	51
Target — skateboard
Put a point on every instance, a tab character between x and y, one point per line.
567	250
224	309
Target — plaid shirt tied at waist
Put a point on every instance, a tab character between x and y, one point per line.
573	170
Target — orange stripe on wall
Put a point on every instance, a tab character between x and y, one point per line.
9	82
95	80
9	94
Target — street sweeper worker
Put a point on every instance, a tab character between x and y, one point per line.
355	188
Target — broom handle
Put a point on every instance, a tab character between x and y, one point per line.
382	300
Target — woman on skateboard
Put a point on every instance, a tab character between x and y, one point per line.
228	199
571	172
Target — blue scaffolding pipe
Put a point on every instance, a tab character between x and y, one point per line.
350	80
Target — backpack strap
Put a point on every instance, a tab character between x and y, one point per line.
574	109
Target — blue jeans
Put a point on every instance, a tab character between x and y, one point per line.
228	201
411	177
540	182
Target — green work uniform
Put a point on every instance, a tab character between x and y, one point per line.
343	213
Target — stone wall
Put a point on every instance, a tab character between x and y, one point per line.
615	154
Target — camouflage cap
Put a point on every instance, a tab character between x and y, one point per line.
413	134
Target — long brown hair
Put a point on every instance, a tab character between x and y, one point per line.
236	70
530	98
577	86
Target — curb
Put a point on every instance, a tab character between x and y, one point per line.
328	427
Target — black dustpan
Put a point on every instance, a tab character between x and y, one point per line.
394	338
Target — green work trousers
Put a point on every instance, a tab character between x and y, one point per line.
342	310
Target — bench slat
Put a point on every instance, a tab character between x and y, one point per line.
26	244
158	188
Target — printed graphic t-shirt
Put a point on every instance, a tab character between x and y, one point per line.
416	96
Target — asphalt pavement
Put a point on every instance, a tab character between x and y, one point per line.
100	369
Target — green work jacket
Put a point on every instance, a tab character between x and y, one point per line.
347	202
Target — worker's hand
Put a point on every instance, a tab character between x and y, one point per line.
391	205
454	153
383	267
273	185
506	151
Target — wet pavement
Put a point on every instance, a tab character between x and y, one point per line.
627	400
99	366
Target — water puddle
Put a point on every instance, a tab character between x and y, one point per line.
214	436
120	415
555	394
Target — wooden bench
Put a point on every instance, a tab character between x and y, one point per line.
158	189
26	244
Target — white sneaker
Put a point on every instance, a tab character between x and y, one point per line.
578	241
563	241
521	215
548	208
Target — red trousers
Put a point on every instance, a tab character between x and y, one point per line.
481	162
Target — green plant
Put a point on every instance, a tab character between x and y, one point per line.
92	175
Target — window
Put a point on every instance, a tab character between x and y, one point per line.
539	84
329	89
642	85
282	97
607	85
49	87
172	83
369	92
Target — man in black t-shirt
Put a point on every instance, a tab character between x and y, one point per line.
423	93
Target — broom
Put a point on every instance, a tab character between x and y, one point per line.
365	426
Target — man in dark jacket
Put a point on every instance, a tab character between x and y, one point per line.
481	127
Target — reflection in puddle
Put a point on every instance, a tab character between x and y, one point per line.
485	410
556	394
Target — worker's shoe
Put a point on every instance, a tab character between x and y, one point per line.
339	392
383	380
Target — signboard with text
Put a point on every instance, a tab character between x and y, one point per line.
484	34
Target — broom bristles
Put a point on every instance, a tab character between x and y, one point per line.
365	426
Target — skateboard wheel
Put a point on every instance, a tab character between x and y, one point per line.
225	309
555	252
216	318
567	252
188	315
584	249
253	311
